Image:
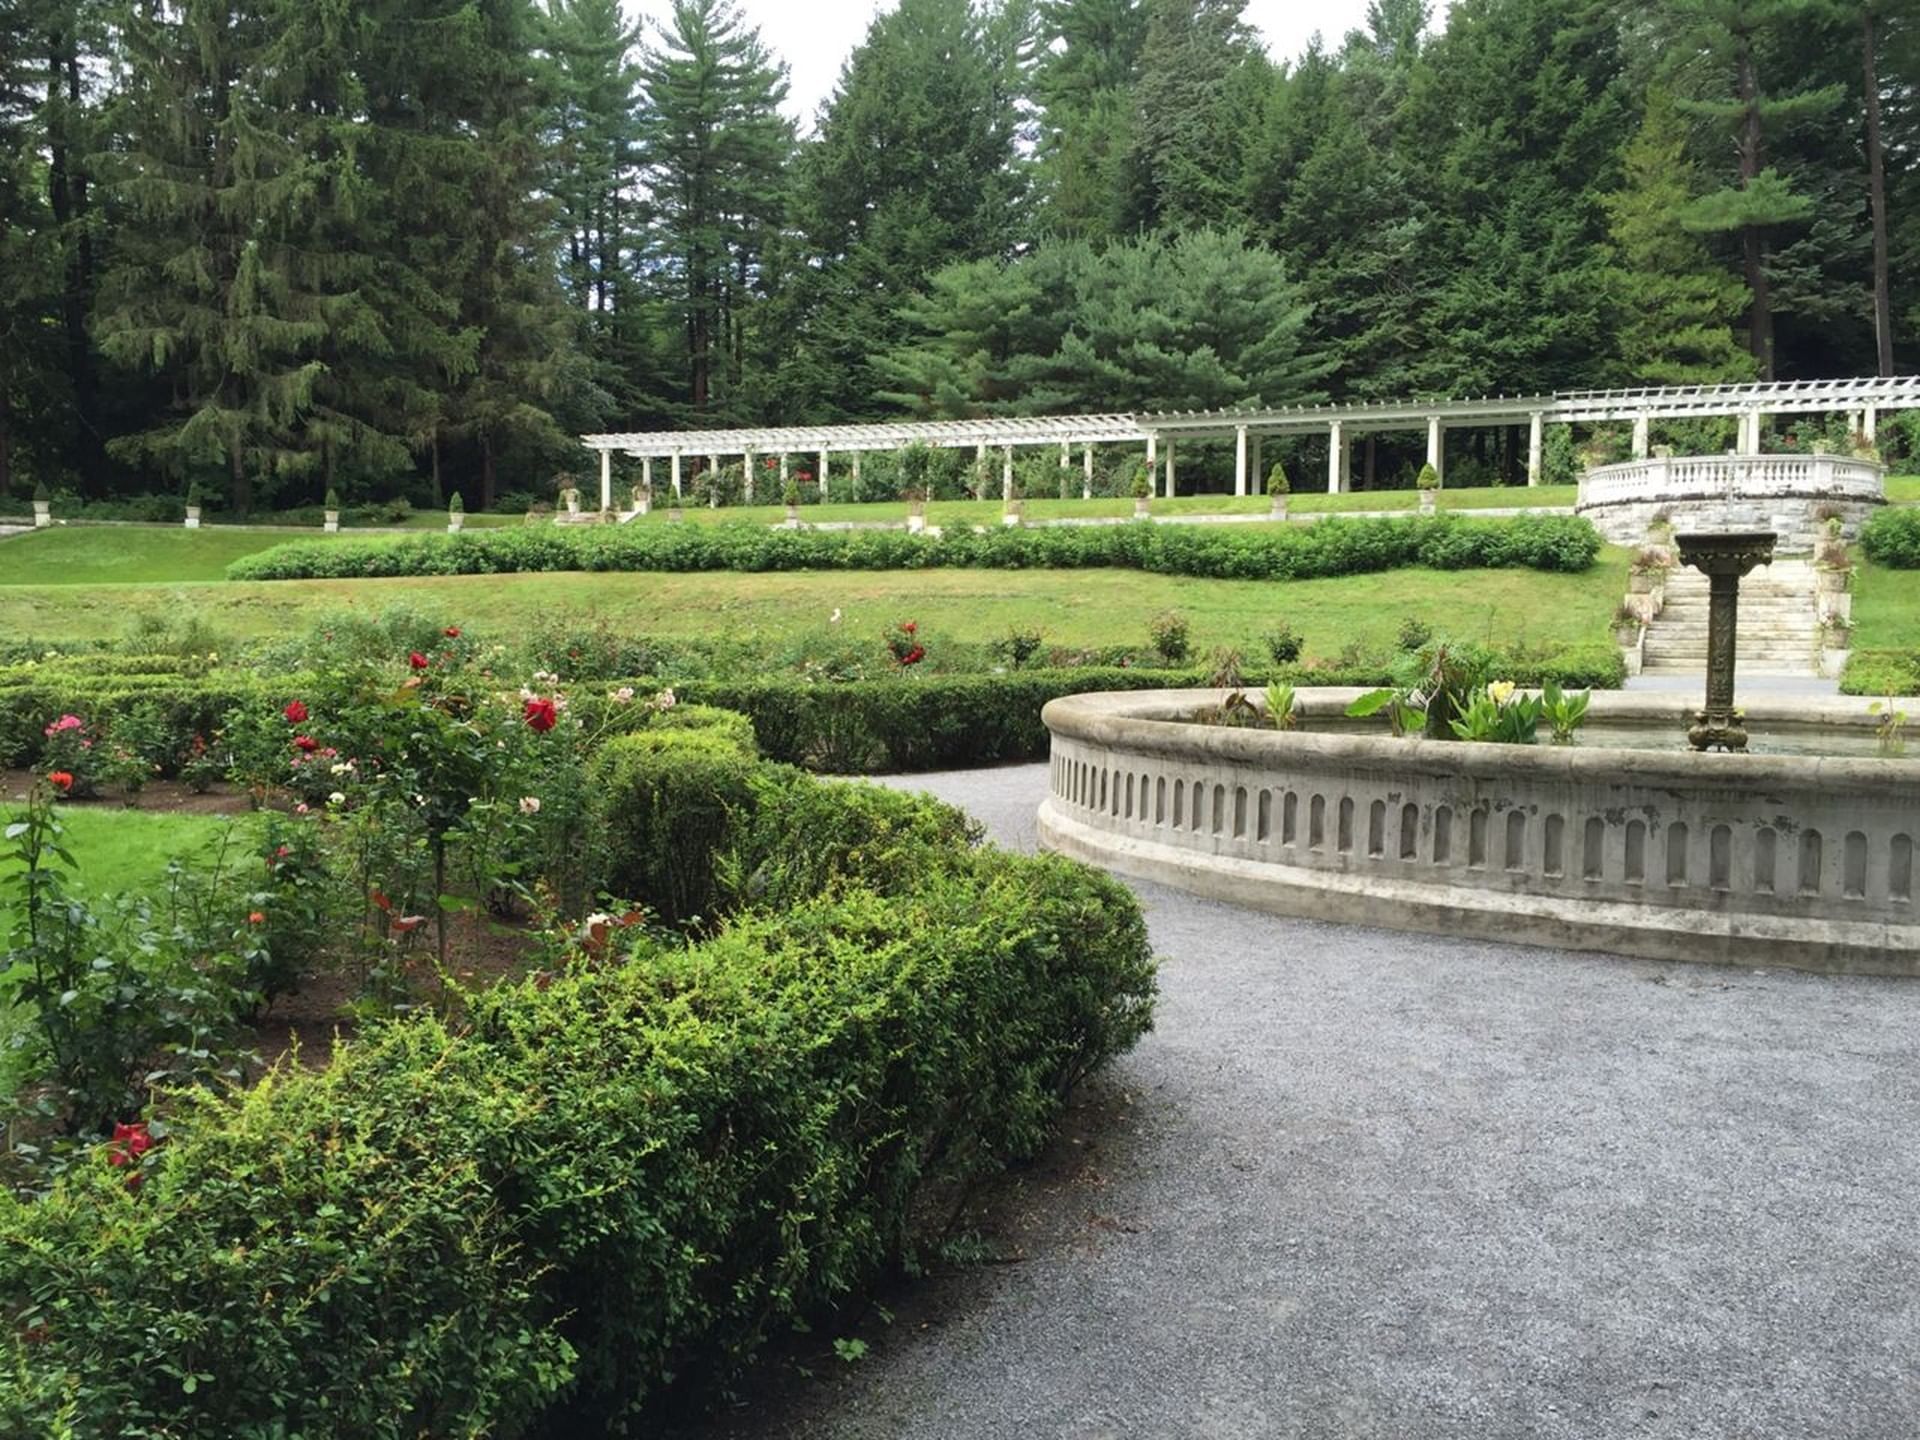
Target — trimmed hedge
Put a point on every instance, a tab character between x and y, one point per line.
1892	538
1882	672
1330	547
664	802
617	1176
902	723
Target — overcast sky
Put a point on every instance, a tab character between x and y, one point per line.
814	36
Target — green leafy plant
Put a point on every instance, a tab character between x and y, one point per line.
1171	636
1890	731
1277	482
332	502
1414	633
1498	714
1283	644
1427	479
1019	645
1280	706
1563	711
455	505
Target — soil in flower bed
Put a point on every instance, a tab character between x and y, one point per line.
165	797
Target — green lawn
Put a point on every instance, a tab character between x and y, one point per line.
120	851
1903	489
1886	608
1072	607
131	554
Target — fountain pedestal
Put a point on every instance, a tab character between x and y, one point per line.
1723	558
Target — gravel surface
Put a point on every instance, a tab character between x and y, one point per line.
1358	1183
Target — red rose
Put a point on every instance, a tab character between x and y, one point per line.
910	627
296	712
541	714
452	632
306	743
61	781
258	917
417	660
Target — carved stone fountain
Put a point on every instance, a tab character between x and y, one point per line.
1723	558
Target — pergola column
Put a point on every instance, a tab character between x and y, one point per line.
676	476
1006	473
823	477
1337	474
1437	447
606	480
1641	429
1536	446
713	482
1086	472
1870	423
646	476
746	467
1240	460
1153	462
1256	460
1172	480
783	475
856	475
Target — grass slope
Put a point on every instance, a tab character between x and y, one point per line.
121	851
1079	607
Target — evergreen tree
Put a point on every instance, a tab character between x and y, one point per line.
1731	35
28	283
716	150
1083	80
1672	301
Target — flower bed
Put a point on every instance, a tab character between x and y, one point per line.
1334	547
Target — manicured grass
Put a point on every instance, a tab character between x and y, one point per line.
1074	607
1886	608
1903	489
987	512
120	851
131	554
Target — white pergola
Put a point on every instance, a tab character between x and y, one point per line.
1159	431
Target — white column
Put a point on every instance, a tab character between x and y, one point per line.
1240	460
1870	423
646	476
746	470
979	468
856	475
823	477
606	479
1257	461
1086	472
1640	437
1006	472
1172	481
1536	446
1153	463
713	482
1436	447
1336	456
676	475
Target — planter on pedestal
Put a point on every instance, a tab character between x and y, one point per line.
916	516
331	523
42	514
455	520
1013	512
193	517
1279	507
1428	498
1142	508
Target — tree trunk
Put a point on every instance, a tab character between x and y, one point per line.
1752	243
67	194
1877	200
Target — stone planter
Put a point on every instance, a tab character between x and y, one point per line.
1627	636
193	517
455	520
1279	511
1640	582
1014	512
1832	582
1142	508
916	517
793	517
572	498
330	524
42	514
642	502
1428	500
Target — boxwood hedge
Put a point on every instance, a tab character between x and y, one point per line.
610	1179
1330	547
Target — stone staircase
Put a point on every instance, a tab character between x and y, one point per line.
1779	630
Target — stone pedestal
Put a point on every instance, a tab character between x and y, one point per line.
1723	558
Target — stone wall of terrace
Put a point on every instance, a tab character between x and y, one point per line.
1735	859
1785	494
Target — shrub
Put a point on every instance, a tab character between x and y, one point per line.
1427	479
1882	672
1277	482
1283	644
1892	538
455	505
1414	633
1171	636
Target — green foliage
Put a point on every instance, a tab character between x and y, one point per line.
1563	712
1283	644
1892	538
1881	672
1427	479
1277	482
1330	548
455	505
1280	706
1170	634
1497	714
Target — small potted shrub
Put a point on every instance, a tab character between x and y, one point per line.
331	523
193	506
42	506
1142	494
1278	488
790	497
1429	484
456	513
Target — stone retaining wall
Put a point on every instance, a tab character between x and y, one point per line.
1785	494
1734	859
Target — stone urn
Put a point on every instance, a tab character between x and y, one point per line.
1279	511
1013	512
193	517
793	517
916	516
1142	508
572	499
456	520
642	500
1428	500
42	514
330	522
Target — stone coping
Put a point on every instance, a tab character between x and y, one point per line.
1735	859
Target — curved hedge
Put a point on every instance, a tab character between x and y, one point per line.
617	1177
1892	538
1294	552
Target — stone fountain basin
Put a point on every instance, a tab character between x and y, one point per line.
1801	860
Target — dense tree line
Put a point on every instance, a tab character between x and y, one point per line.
275	247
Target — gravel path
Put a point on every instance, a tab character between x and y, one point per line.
1359	1183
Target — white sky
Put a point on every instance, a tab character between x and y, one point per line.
814	36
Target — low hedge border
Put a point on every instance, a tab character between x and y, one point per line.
1881	672
902	723
1330	547
617	1178
1891	537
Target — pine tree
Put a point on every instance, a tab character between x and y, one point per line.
28	270
1088	63
1731	34
716	149
1672	300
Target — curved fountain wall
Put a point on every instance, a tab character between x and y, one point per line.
1780	493
1734	859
